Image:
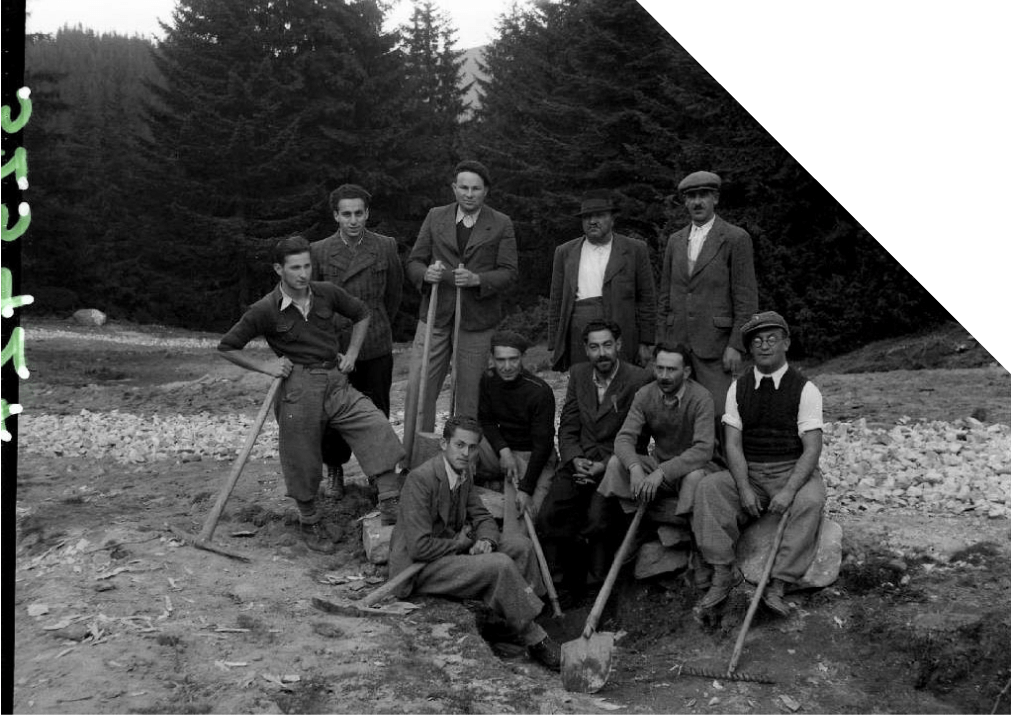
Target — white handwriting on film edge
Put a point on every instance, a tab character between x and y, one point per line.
18	166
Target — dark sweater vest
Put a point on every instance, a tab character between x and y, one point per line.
770	417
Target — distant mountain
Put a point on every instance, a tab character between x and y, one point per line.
470	71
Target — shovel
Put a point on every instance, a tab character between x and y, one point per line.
587	660
413	418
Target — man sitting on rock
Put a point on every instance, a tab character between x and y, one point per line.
773	437
517	411
443	523
297	321
678	413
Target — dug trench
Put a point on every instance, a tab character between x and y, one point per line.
113	614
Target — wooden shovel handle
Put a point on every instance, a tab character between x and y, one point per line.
543	565
768	567
391	584
610	580
414	418
455	362
237	467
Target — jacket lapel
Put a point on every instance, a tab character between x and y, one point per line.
572	270
711	245
364	258
480	232
680	254
617	257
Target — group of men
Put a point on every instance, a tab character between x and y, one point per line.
329	323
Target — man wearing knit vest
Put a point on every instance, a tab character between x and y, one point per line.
517	411
773	436
297	321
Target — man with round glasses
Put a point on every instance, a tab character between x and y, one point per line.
773	423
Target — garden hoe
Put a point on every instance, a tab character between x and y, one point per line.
203	540
587	660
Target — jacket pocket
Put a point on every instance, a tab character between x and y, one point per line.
722	321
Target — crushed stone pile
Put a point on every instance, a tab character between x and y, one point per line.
935	466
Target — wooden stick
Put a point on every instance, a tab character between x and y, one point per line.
237	467
599	604
768	567
543	565
454	359
413	418
391	584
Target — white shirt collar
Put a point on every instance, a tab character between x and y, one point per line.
287	301
453	477
599	247
776	375
461	215
705	228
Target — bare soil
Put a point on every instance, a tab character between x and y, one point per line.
114	614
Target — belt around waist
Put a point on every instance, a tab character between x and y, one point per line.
325	365
581	302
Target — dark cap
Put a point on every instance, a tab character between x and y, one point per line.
595	202
700	181
470	165
760	321
510	339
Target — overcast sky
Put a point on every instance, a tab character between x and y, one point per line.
474	19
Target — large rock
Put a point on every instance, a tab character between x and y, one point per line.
89	317
754	545
654	559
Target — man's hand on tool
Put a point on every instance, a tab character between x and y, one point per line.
434	273
482	546
280	368
524	502
780	502
465	278
508	465
649	487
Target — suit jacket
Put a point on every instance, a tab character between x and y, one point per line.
587	429
374	275
429	518
491	252
706	310
628	296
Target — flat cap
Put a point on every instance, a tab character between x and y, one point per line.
510	339
760	321
700	181
597	201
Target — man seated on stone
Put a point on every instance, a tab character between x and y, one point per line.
678	413
773	438
598	397
443	523
297	321
517	411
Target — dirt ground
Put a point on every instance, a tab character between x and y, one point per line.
114	614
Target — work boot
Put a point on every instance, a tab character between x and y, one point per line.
773	597
546	653
724	580
388	510
334	485
317	537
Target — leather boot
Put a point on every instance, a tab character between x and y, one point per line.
334	485
773	597
726	577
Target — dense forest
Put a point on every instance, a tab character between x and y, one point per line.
162	172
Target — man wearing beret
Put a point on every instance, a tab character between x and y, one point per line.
517	411
601	275
708	288
773	437
468	246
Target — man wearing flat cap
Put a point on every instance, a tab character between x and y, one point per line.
773	422
468	246
708	288
517	411
601	275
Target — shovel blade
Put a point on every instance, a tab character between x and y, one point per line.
586	663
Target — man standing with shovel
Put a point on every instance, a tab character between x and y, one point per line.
297	321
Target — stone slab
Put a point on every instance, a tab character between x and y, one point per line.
755	542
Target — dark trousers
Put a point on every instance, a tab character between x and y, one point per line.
373	379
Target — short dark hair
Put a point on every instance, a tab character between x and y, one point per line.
600	324
470	165
461	422
289	246
508	339
668	347
349	191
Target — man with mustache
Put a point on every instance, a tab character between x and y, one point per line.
517	411
773	437
678	413
367	266
708	288
599	393
297	321
443	523
601	275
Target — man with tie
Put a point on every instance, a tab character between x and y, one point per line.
708	288
598	397
468	246
773	438
367	266
601	275
443	523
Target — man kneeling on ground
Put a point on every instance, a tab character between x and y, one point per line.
443	522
